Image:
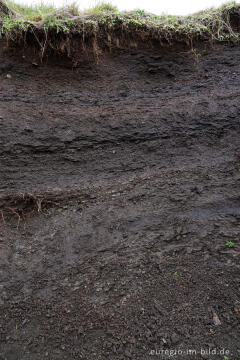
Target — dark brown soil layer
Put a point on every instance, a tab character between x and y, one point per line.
119	188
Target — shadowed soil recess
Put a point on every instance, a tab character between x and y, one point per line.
119	197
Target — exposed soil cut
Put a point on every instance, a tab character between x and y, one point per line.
119	189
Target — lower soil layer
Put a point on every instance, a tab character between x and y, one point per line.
137	160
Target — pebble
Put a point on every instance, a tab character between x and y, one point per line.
164	341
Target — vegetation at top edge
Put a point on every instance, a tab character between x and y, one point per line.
209	24
101	8
33	12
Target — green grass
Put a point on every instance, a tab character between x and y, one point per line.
42	10
230	244
101	8
104	26
31	13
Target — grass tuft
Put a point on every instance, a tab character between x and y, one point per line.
31	13
102	8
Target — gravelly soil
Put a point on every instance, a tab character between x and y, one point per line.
137	160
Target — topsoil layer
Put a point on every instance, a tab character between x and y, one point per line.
119	188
